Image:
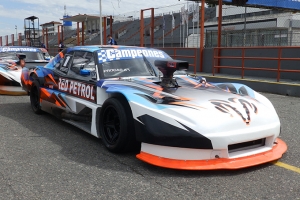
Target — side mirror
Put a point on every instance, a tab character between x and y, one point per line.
84	72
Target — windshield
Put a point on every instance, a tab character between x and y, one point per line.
126	62
30	55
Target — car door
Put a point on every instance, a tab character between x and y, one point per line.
81	77
72	97
73	79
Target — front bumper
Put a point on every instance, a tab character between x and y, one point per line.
275	153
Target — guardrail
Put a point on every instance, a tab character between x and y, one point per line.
218	58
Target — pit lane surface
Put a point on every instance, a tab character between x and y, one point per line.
42	157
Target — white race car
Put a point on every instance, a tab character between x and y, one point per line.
178	121
12	59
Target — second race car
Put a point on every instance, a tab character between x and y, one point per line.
12	60
179	121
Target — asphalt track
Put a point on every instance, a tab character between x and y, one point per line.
44	158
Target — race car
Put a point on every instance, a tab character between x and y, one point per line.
133	97
12	59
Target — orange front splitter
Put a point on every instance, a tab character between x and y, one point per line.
222	163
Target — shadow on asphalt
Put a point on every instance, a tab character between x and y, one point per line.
86	149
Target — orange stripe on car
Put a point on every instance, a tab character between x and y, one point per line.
51	77
61	54
154	87
45	93
146	80
157	95
60	103
190	81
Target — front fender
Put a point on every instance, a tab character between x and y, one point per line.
134	95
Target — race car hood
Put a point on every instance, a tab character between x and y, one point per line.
194	103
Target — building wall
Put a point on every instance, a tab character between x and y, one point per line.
52	28
234	10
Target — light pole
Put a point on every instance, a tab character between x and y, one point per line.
16	33
245	22
101	37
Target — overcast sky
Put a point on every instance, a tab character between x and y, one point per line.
13	12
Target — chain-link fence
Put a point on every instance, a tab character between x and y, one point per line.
247	26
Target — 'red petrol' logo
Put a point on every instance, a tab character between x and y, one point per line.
236	106
79	89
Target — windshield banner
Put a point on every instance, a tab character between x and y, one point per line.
107	55
14	49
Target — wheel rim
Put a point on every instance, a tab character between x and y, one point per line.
111	125
35	98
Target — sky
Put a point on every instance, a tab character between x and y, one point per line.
13	12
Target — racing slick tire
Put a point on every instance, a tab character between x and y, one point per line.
116	126
35	97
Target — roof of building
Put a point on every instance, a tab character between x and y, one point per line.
52	22
81	18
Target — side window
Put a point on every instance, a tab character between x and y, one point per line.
63	64
79	54
78	64
90	66
83	66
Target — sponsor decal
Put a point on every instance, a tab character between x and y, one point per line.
106	55
8	49
79	89
117	70
235	106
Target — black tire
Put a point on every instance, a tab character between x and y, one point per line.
35	95
116	126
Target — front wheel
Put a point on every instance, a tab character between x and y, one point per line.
116	126
35	98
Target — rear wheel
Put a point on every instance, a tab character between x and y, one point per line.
116	126
35	98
